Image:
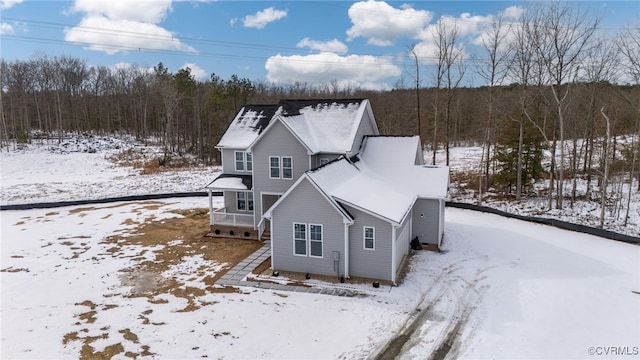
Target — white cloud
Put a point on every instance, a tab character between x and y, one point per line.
382	24
5	4
111	38
196	71
115	26
263	17
6	29
364	71
334	45
148	11
514	12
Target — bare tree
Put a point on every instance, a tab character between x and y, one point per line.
598	71
450	71
562	37
416	59
494	71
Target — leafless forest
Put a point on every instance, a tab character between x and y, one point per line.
553	82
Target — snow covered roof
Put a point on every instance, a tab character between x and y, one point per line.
384	150
248	124
387	191
322	125
345	183
231	182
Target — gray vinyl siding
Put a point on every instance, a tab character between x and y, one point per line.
403	239
365	128
306	205
374	264
229	162
277	141
426	220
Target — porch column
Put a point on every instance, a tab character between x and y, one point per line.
210	207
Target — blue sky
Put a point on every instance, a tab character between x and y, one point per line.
358	43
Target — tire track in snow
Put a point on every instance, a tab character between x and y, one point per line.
457	314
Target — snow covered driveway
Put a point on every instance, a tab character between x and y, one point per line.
517	290
520	290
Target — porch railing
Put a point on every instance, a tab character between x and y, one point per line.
222	217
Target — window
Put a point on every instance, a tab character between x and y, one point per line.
250	201
369	238
323	161
315	240
239	161
244	161
276	172
249	162
307	243
244	201
274	167
287	167
300	239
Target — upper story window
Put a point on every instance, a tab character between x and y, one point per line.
281	167
249	162
244	161
287	167
274	167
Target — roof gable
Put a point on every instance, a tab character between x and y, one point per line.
329	126
247	126
347	218
383	150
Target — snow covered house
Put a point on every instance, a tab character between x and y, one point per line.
334	196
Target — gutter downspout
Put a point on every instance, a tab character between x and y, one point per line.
393	254
346	250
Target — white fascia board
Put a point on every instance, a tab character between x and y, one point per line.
369	212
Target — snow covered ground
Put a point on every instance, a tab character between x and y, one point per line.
501	289
467	159
83	171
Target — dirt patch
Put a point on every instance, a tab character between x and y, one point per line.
171	241
179	237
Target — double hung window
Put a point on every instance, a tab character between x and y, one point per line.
245	200
307	239
280	167
243	161
369	238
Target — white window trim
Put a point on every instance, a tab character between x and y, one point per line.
235	161
307	239
364	238
279	167
246	201
282	167
306	242
321	241
247	162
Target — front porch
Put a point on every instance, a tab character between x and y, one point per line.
232	225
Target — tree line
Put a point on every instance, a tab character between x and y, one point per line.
552	84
